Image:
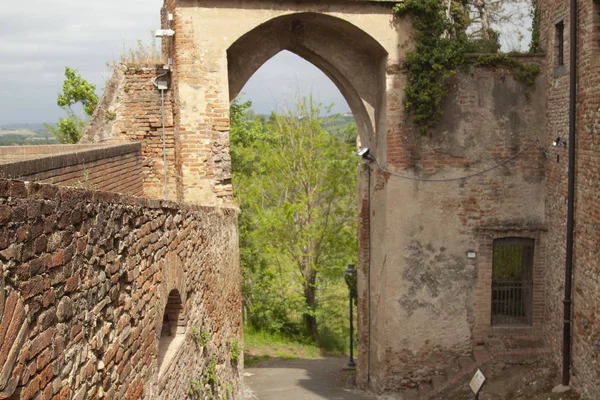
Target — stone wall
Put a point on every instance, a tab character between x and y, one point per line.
86	278
114	168
131	111
586	281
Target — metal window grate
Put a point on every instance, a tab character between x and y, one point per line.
512	283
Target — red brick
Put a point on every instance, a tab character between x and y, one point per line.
5	214
31	389
32	287
40	342
72	283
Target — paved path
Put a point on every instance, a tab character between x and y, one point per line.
321	379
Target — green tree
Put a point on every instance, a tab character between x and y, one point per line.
296	186
76	90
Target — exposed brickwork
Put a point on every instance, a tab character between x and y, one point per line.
203	131
110	168
85	281
586	280
137	111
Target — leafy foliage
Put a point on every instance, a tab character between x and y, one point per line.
75	90
536	16
68	129
295	184
526	74
441	48
235	350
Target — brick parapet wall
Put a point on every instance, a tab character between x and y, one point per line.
85	279
115	168
134	106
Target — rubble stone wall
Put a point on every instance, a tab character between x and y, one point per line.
86	278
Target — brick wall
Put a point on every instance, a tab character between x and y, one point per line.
114	168
131	111
86	277
586	280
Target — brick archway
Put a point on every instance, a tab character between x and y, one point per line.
218	45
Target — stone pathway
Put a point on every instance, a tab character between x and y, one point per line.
300	379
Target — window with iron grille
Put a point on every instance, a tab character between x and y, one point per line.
512	281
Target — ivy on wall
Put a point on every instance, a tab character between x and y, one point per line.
536	16
441	49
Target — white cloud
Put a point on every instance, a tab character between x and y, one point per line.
41	37
276	84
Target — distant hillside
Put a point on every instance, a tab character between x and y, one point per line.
28	126
25	134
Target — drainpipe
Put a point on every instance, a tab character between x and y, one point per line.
369	281
164	144
571	198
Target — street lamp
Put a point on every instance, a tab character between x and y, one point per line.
350	277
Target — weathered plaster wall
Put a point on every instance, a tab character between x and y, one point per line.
113	168
428	302
85	280
586	280
131	111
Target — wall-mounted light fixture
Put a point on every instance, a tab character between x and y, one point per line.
559	142
365	153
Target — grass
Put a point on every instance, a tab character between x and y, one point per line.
145	54
260	346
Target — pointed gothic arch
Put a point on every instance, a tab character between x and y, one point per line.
352	59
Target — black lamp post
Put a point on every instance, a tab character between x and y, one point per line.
350	277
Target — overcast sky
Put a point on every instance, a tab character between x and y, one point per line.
41	37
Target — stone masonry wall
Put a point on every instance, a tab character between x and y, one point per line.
131	111
586	279
113	168
86	277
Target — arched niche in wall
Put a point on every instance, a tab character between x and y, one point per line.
172	332
172	316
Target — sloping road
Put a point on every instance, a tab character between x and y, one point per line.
300	379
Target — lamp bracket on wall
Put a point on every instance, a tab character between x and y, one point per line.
560	142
